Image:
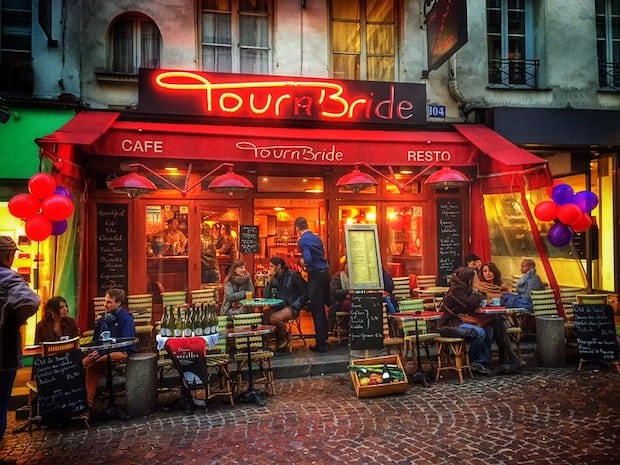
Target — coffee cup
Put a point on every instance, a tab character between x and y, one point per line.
104	336
495	301
483	303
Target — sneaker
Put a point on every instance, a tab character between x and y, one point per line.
480	368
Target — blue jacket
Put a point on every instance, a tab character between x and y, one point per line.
312	251
120	324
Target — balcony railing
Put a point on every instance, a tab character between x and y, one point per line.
513	74
609	76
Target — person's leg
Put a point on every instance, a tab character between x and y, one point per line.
318	292
278	319
477	340
93	373
7	378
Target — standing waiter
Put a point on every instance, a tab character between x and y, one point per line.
313	255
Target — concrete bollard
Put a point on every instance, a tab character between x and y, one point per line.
141	384
550	341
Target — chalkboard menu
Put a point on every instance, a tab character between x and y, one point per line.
596	332
366	320
60	382
449	238
112	245
248	239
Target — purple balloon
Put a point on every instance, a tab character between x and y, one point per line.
59	227
62	190
562	194
560	235
586	201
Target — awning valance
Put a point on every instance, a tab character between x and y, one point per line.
84	129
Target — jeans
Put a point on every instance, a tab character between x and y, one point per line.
7	378
479	350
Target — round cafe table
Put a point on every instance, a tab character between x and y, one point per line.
113	411
251	394
261	303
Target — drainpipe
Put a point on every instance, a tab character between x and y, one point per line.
453	87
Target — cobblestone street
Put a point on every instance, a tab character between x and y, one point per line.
548	416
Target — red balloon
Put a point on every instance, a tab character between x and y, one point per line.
569	213
41	185
583	224
57	207
24	206
546	210
38	228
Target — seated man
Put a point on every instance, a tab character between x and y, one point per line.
287	285
119	322
530	281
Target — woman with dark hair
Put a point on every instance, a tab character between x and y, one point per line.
56	322
460	302
490	281
238	281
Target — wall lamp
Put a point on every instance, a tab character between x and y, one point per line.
358	181
134	184
446	178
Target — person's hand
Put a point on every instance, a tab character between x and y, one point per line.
94	355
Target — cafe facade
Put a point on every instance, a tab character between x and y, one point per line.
251	153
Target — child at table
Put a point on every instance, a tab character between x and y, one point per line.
238	281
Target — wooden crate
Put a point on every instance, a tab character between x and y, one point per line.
377	390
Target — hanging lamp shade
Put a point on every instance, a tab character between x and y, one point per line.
230	182
356	180
446	178
132	185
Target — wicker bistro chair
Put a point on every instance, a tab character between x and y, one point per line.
260	356
452	354
141	306
589	299
295	324
207	296
217	360
98	306
390	339
426	337
401	287
341	326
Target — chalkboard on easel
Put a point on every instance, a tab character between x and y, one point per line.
596	332
248	239
366	321
60	383
449	238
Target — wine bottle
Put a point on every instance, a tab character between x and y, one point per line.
198	316
178	324
187	325
164	329
386	376
213	320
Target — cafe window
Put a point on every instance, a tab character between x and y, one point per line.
167	246
135	43
608	43
363	34
235	35
306	184
219	241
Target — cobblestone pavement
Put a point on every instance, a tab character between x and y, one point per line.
548	416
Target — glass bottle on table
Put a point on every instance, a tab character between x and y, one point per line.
213	320
187	324
164	329
178	324
198	320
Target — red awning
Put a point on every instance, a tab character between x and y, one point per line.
496	147
284	145
84	129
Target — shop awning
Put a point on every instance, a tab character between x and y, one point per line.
497	148
84	129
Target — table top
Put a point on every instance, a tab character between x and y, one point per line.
416	315
261	302
35	349
247	331
113	343
490	310
433	290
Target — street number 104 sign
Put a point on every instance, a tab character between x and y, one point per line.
363	256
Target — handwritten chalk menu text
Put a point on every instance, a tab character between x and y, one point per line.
596	332
449	238
112	246
366	320
248	239
60	382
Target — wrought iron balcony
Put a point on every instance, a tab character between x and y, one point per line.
513	74
609	76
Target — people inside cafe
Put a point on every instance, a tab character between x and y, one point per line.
339	290
391	302
176	238
208	261
56	322
119	323
460	301
530	281
228	248
237	283
289	286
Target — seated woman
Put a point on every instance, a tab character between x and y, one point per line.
339	293
238	281
287	285
490	282
56	322
461	301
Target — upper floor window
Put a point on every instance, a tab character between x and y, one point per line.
510	42
363	39
135	43
16	33
608	43
235	36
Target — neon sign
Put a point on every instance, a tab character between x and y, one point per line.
222	95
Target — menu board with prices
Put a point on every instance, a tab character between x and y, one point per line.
366	320
449	238
112	247
248	239
596	332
